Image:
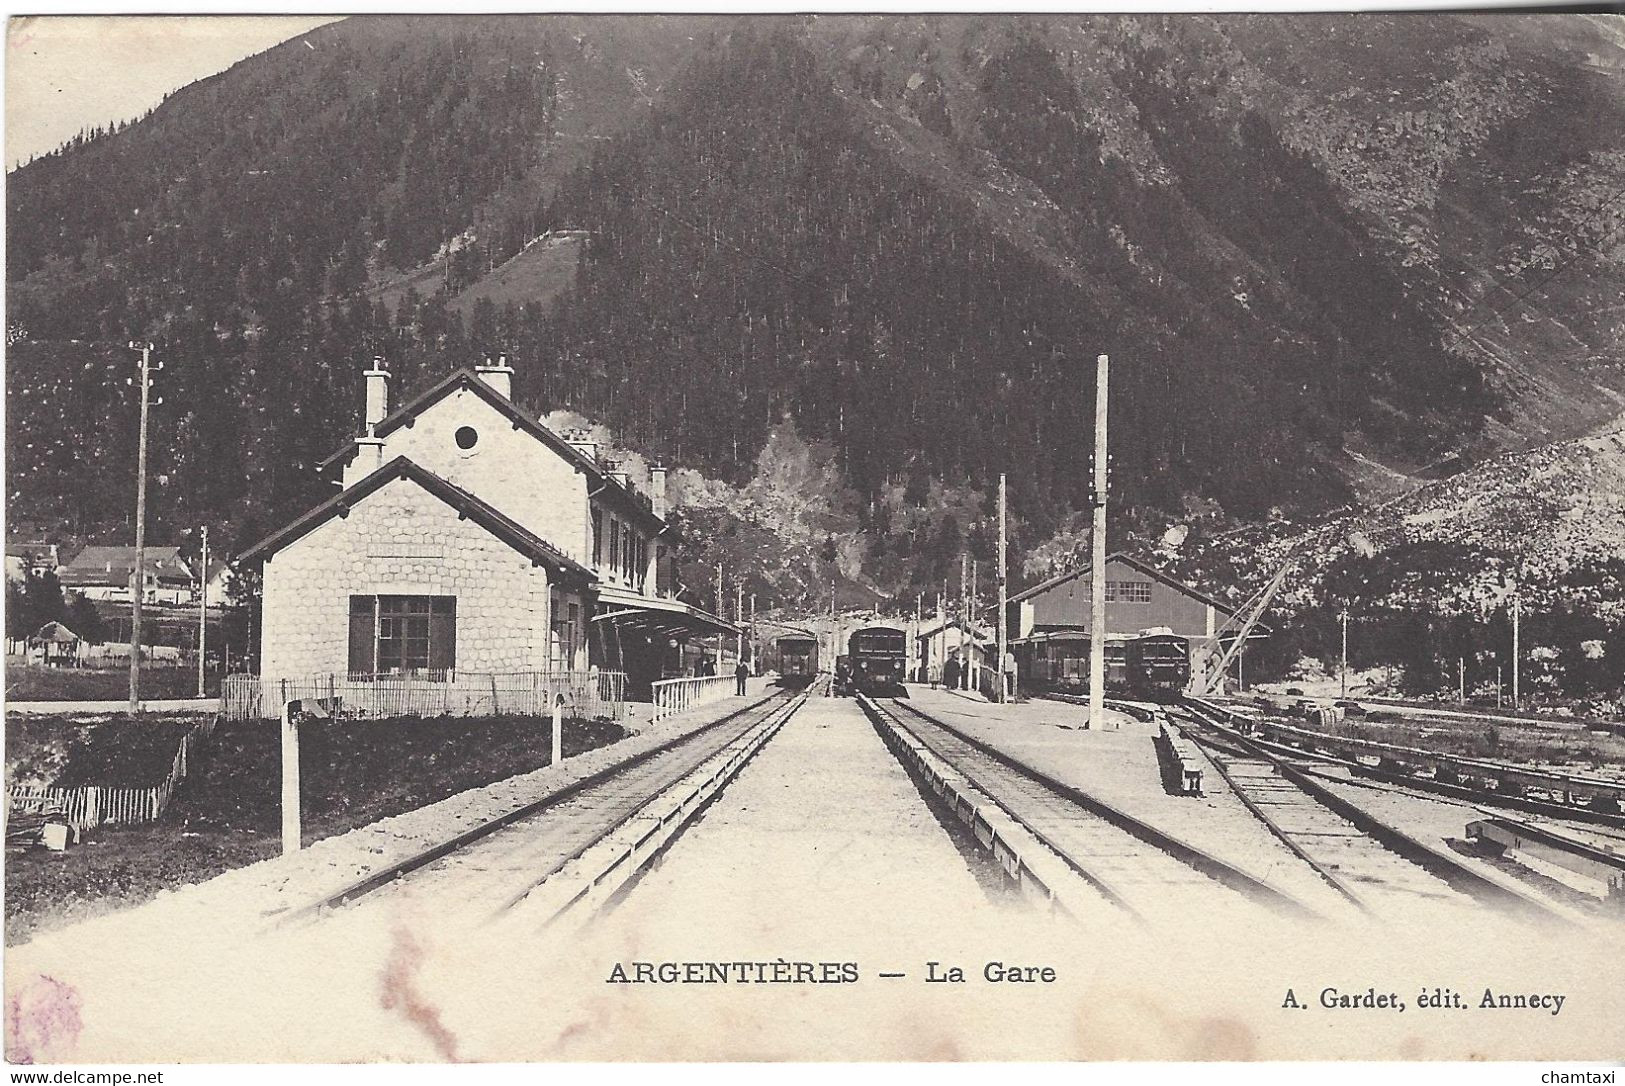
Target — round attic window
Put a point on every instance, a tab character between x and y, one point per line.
466	437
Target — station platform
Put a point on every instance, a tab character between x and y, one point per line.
1119	765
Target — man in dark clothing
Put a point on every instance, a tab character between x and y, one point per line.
950	673
740	673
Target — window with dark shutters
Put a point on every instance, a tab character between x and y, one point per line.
395	635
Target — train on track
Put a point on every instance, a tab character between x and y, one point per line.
1152	666
877	657
795	658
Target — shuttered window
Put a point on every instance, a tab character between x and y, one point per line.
363	634
393	635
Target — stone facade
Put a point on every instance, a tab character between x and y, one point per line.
508	468
402	540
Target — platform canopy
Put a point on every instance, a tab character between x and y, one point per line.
657	615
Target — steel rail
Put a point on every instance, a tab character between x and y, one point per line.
1196	858
731	757
1570	811
389	873
1242	793
1448	869
891	732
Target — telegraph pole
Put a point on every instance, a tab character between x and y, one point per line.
138	576
1097	573
203	613
1517	608
1343	676
964	614
974	623
1003	591
739	618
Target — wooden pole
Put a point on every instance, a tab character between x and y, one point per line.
964	617
558	729
1097	572
1003	590
1517	608
290	778
203	614
1343	674
138	575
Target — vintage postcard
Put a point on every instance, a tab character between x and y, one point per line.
815	537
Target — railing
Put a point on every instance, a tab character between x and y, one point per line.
675	695
88	806
437	693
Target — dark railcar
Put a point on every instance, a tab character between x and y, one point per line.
1159	666
878	659
796	658
1059	663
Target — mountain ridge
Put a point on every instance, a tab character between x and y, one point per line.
906	234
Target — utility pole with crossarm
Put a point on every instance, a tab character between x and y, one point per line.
138	575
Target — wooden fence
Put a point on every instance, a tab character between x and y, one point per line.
92	805
428	694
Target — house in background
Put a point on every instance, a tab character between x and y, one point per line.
104	573
25	560
217	578
467	537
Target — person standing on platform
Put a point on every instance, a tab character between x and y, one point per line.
950	673
740	673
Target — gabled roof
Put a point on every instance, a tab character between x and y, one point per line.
98	565
982	632
521	539
1128	560
466	379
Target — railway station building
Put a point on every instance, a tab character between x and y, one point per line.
1139	597
469	540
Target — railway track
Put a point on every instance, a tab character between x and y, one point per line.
1455	776
581	844
1136	867
1377	866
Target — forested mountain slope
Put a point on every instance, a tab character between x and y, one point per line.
1308	244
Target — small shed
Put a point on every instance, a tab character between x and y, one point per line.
56	643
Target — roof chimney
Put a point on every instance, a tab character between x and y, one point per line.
623	478
499	375
657	489
370	456
377	393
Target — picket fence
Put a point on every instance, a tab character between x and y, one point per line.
92	805
429	694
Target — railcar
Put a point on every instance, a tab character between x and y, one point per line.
795	656
1159	666
877	659
1058	662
